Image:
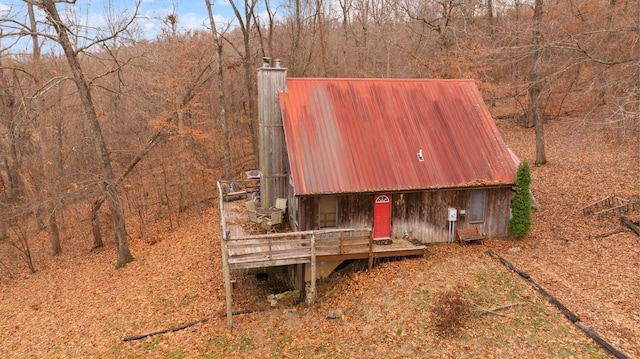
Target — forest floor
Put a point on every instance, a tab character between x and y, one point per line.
77	305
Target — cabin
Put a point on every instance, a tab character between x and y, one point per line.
409	158
369	168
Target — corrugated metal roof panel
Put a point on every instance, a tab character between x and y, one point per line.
364	135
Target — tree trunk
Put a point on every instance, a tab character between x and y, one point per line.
245	27
50	208
54	233
323	42
95	225
3	222
490	17
535	112
12	159
541	157
248	78
221	93
108	179
182	166
602	90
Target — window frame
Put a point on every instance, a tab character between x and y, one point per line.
477	212
322	221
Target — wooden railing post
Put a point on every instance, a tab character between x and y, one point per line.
311	296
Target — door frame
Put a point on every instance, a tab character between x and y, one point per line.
381	215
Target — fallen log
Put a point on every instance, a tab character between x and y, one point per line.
185	326
629	223
601	341
508	265
572	317
567	313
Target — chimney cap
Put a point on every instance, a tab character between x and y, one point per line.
266	61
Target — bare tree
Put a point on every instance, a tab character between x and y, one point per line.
106	174
535	112
217	42
267	50
301	37
438	17
245	22
491	18
319	24
49	175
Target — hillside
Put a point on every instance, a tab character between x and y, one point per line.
78	305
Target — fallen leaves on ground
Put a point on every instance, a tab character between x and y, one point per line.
78	305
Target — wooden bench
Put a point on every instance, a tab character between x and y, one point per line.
468	235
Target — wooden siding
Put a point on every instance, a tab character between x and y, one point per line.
423	214
355	210
272	151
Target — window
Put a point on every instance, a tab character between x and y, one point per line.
328	212
476	206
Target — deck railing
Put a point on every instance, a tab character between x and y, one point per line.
295	247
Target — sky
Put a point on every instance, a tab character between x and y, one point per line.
192	14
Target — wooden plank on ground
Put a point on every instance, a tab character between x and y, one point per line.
599	204
609	212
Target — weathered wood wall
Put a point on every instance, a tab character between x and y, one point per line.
422	214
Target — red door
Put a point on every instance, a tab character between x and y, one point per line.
382	216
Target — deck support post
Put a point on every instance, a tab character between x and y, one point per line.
371	250
226	273
227	281
311	295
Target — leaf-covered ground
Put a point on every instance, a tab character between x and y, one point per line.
78	305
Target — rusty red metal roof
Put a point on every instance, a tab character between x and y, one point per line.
365	135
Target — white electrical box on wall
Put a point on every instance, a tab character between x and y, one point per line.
453	214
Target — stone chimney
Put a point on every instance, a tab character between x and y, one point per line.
273	151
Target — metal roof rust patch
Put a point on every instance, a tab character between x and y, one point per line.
364	135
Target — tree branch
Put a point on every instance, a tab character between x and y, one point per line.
115	34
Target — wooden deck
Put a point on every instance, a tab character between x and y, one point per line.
254	250
297	247
251	250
